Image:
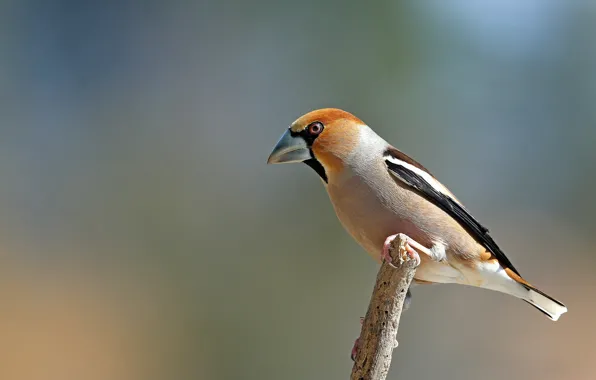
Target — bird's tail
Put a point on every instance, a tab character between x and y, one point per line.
537	298
545	303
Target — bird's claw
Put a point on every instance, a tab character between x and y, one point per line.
385	255
407	252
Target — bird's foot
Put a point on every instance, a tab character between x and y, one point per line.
408	300
408	245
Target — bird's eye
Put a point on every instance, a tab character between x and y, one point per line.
315	128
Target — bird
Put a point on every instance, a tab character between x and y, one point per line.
378	192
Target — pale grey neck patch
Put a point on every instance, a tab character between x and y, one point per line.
370	148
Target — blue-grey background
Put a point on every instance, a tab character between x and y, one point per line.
142	236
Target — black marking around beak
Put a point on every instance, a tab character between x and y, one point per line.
297	147
312	162
316	166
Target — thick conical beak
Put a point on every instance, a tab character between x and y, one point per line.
289	149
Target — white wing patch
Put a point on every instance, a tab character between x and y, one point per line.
425	175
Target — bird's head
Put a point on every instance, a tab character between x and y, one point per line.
322	139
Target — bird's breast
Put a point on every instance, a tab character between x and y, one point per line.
370	213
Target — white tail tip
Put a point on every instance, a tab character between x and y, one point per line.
548	305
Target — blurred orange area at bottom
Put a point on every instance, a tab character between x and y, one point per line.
70	324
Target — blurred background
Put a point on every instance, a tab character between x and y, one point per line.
142	236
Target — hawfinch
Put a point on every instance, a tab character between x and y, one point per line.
377	192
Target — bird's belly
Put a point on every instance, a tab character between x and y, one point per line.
370	218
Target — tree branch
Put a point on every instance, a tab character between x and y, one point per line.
379	328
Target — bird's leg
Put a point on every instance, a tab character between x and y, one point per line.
408	300
410	247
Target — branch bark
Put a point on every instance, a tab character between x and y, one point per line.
379	328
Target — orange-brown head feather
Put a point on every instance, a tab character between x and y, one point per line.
338	139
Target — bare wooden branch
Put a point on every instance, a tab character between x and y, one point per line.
379	328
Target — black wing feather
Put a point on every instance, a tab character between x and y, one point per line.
454	209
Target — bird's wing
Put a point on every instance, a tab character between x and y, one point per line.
415	176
